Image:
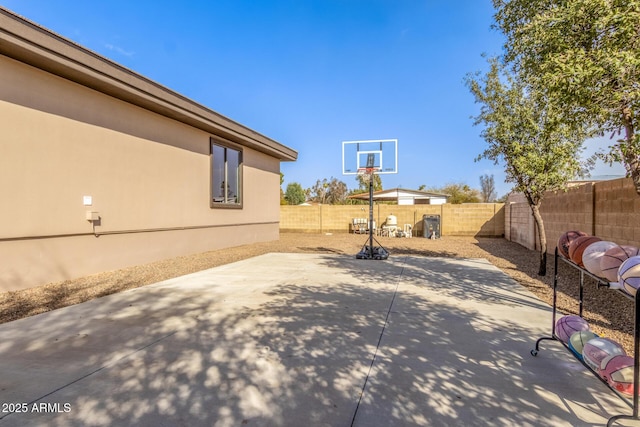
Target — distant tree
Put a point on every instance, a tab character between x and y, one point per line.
363	183
503	198
338	192
584	56
318	192
295	194
487	188
283	201
458	193
539	149
422	187
331	191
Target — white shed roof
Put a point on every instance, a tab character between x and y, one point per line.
397	194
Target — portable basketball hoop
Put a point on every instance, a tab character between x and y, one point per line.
370	157
369	251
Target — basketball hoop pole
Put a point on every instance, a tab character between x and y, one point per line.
371	215
378	252
372	153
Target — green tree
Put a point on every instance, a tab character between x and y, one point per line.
318	192
539	150
458	193
487	188
363	183
283	201
363	187
584	55
338	192
295	194
332	191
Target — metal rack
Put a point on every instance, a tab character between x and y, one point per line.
633	403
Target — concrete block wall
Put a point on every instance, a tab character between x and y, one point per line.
567	210
519	224
456	220
412	215
473	219
617	212
336	218
306	219
607	209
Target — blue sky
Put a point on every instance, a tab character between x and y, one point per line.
312	73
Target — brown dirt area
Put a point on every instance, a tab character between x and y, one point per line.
608	312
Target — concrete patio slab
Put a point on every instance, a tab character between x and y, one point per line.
302	339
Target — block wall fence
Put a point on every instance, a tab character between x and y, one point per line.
607	209
474	219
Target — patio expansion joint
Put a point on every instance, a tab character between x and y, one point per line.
375	353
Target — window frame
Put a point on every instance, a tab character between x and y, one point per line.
226	146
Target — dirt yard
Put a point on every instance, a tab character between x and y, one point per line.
608	312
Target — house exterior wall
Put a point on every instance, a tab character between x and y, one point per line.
148	176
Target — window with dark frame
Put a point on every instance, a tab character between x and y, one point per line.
226	175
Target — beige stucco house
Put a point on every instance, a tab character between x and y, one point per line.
102	168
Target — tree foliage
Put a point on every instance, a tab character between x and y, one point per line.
584	55
332	191
487	188
363	183
295	194
283	201
458	193
539	149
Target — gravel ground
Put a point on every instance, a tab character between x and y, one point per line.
609	313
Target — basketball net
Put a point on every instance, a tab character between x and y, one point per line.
367	171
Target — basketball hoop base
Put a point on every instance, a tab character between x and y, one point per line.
372	252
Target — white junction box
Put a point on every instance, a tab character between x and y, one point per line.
93	216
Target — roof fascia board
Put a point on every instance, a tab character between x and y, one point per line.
32	44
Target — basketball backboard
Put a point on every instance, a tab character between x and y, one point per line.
379	154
